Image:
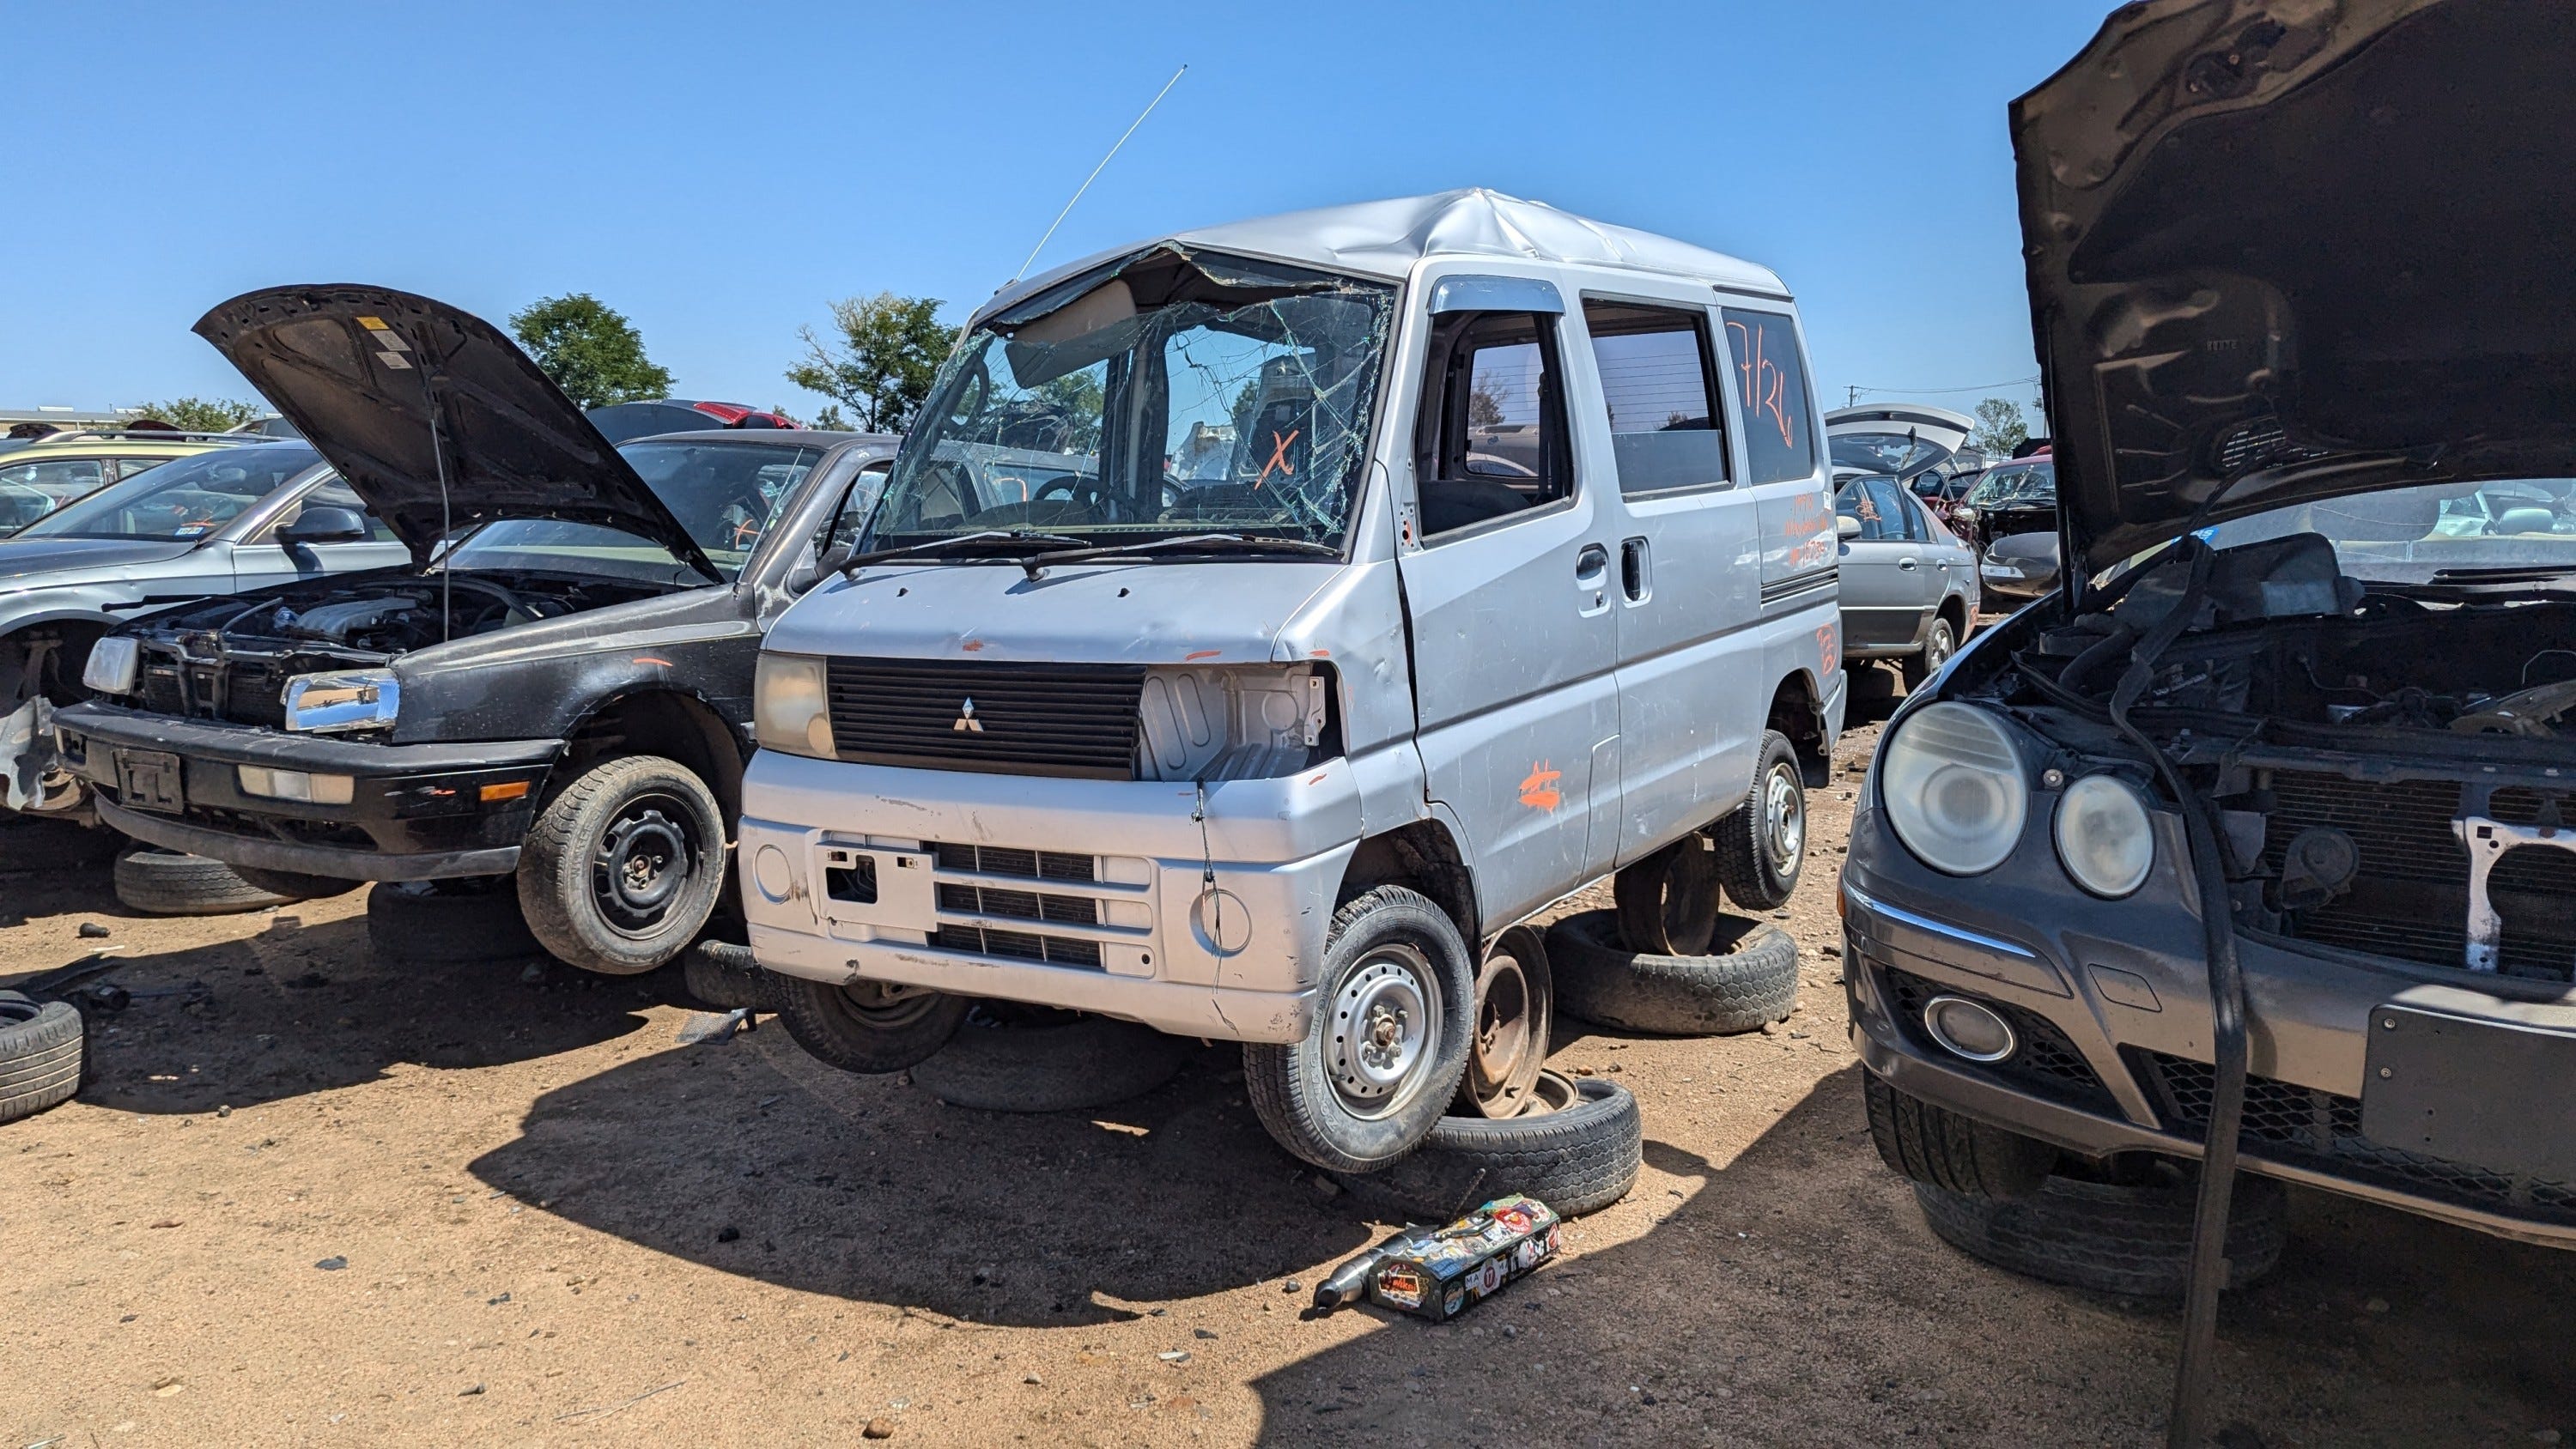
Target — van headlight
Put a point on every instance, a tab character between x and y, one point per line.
1954	788
112	665
791	706
350	699
2103	835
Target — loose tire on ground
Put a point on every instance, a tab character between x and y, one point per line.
1008	1058
1925	1143
40	1055
1602	981
1939	643
2128	1239
623	866
1394	1016
871	1027
289	885
448	923
1762	844
725	976
171	883
1668	901
1578	1149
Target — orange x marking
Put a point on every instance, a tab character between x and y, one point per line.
1279	457
1539	791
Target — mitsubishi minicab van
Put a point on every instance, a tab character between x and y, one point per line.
1259	621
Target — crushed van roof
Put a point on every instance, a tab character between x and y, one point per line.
1386	238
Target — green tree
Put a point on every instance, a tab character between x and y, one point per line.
1999	428
590	350
880	363
199	414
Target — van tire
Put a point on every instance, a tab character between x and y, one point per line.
41	1048
1381	944
173	883
447	923
1924	1143
869	1027
293	886
1603	982
1668	902
639	812
725	976
2130	1240
1762	844
1006	1058
1578	1149
1939	643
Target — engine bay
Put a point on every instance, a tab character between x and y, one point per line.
375	621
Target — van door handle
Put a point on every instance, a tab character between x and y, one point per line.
1633	581
1591	565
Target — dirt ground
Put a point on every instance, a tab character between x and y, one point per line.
309	1200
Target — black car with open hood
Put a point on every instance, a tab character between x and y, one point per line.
557	687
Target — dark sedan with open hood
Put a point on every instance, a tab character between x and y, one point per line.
2251	841
558	685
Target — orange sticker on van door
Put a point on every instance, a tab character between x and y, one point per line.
1539	791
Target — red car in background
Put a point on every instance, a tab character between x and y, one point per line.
620	421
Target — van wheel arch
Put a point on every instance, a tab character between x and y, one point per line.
1798	713
1423	857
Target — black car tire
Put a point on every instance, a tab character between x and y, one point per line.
1929	1144
1604	982
1383	945
1668	902
1010	1058
623	866
288	885
1762	844
725	975
448	923
2129	1239
870	1027
1939	643
1578	1149
40	1055
173	883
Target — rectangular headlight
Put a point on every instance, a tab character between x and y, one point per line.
355	699
791	709
113	662
296	785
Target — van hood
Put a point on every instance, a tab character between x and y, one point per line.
2281	250
29	558
1111	613
356	369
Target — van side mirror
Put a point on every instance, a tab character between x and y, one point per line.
1846	526
325	524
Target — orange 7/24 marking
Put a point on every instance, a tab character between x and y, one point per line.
1539	791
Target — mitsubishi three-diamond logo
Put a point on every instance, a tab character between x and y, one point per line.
966	718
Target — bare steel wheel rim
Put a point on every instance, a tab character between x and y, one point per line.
1503	1059
1379	1041
888	1003
1784	819
644	862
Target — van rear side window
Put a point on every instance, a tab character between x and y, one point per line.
1654	365
1771	387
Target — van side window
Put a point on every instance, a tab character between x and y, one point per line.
1655	375
1491	440
1771	387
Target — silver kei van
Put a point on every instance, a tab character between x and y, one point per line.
1261	620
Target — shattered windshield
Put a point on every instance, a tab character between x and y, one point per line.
1177	396
2030	486
2404	535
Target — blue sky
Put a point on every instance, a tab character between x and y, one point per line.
719	173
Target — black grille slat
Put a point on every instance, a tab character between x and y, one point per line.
1049	719
956	898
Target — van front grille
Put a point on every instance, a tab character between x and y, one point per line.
1077	720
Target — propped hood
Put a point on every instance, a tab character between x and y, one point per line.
2300	248
356	368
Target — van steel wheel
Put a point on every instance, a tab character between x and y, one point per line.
867	1026
1390	1041
623	867
1938	645
1515	1011
1762	846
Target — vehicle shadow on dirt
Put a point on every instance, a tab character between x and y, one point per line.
1794	1295
753	1158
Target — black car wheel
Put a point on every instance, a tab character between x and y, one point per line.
2131	1238
1929	1144
622	868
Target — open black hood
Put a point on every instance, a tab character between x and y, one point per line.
2299	248
357	369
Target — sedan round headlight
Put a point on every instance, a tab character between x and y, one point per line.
1953	787
2103	835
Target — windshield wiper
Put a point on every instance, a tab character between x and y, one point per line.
1196	543
940	545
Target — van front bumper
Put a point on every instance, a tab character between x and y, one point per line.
1199	914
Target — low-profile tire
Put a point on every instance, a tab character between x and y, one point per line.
1578	1149
448	923
40	1055
173	883
871	1027
1394	1017
1515	1017
2129	1239
623	866
1762	844
726	976
1010	1058
1602	981
291	886
1940	641
1668	901
1929	1144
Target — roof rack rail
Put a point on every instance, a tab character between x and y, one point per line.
152	435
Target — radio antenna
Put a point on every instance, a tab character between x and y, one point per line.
1095	172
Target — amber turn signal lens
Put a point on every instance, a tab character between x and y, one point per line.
515	790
